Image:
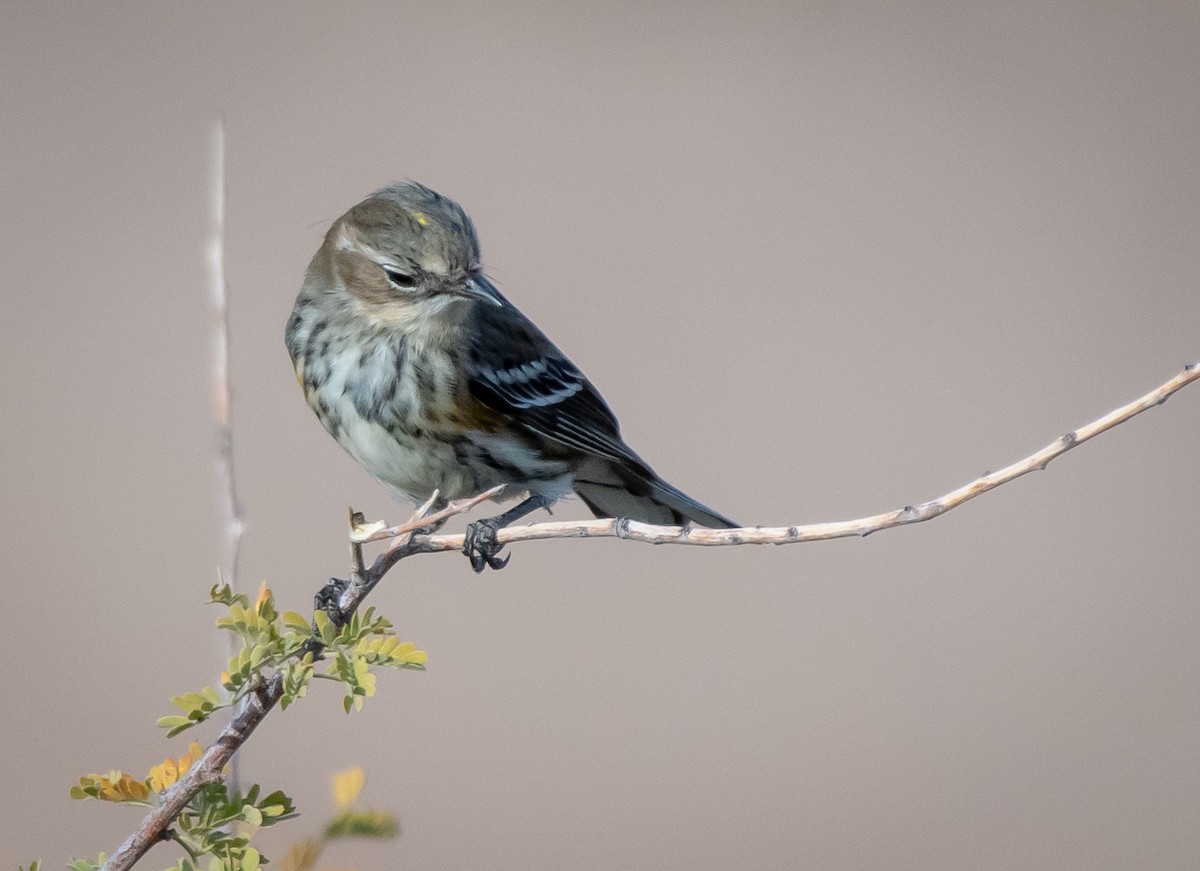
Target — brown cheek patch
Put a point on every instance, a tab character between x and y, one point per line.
363	278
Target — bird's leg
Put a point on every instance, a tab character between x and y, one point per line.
480	544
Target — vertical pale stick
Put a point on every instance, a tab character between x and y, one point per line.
228	508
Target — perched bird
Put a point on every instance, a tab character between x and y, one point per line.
432	380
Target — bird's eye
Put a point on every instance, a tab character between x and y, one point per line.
400	279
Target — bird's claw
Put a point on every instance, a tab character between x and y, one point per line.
328	596
481	545
326	600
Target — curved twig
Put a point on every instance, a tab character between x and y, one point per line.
694	535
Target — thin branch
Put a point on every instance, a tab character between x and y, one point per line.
408	540
694	535
256	705
229	508
232	516
378	531
207	769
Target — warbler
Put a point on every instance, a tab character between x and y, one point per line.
432	380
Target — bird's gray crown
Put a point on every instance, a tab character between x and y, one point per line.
412	222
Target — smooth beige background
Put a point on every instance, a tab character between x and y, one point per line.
824	259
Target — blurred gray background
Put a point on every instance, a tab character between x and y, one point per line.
824	259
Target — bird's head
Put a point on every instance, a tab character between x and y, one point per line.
403	249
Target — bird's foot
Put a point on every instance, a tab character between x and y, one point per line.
481	544
327	599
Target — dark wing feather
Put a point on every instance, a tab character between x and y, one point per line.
514	369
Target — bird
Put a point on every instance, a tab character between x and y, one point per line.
434	382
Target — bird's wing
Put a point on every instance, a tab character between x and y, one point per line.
514	369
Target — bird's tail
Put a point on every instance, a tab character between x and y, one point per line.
642	495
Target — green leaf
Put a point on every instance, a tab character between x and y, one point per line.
222	594
297	621
367	824
175	723
277	812
325	627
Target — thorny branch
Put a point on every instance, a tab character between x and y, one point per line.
342	598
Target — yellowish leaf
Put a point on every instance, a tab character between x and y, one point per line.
164	775
118	786
264	595
301	857
347	785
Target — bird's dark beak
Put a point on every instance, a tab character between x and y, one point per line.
478	287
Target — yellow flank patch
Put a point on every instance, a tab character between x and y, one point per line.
421	218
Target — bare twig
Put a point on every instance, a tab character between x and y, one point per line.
229	508
232	517
378	531
694	535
